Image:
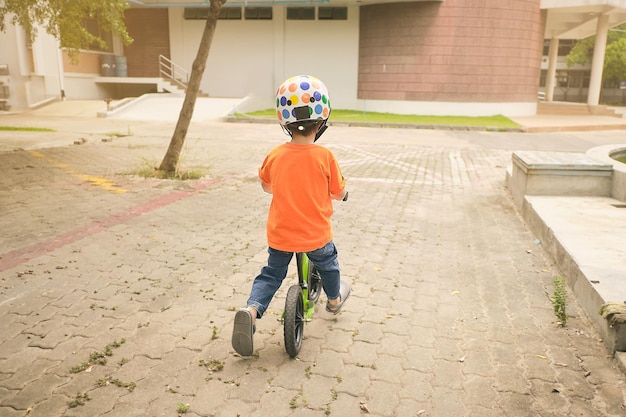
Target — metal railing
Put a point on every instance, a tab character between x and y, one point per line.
173	72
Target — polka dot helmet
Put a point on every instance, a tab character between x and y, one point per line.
302	98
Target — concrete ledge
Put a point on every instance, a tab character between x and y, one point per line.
568	201
558	173
606	154
579	234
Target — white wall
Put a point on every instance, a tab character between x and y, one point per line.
252	57
329	50
27	88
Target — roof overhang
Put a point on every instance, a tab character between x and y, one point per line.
578	19
207	3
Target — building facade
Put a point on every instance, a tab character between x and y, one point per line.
444	57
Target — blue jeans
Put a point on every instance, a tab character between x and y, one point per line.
271	277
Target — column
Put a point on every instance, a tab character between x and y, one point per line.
551	75
595	83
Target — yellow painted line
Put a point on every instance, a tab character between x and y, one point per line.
103	183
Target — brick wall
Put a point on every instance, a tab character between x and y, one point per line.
456	50
149	29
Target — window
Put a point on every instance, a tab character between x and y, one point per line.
230	13
201	13
565	46
195	13
92	27
300	13
258	13
332	13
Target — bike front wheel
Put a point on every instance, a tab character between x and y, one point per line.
294	320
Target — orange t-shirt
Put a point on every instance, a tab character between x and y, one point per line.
302	178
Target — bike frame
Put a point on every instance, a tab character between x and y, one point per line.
300	302
303	263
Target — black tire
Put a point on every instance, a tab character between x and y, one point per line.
294	321
315	283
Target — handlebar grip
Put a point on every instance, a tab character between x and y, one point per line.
345	197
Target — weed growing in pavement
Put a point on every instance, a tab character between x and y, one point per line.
103	382
98	357
213	365
80	399
117	134
182	408
294	402
559	300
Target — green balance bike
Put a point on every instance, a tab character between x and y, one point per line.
300	302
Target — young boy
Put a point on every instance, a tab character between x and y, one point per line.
303	178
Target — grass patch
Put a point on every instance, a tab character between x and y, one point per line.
25	129
148	169
497	121
559	300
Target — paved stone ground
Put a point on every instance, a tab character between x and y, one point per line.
450	313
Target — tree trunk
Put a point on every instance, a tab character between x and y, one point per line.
170	160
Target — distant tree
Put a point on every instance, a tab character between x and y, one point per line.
64	19
169	164
614	68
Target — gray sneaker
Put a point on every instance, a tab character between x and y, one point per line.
243	331
344	293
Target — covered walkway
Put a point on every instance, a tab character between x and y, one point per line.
580	19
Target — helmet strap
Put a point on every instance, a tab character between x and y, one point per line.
321	130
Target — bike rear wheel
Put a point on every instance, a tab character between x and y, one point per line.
294	320
315	283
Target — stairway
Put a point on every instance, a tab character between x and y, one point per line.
561	108
170	87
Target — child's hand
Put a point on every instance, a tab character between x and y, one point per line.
266	187
341	196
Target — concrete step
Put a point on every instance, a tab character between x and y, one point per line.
574	109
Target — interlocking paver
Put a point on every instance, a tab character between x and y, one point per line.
449	314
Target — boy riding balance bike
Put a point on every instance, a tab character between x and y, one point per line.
303	179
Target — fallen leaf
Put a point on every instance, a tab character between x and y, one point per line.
541	357
364	407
